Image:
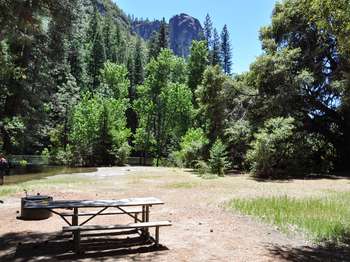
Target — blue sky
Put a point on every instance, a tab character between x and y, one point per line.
243	17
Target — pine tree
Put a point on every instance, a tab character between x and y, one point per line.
138	63
208	31
108	37
163	36
215	57
97	55
130	67
153	46
226	55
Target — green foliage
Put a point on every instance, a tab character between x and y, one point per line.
197	64
115	82
23	163
164	106
211	102
215	55
218	160
201	167
208	31
239	135
280	150
273	149
69	71
192	147
99	130
226	55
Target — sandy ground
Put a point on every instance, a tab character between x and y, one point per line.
203	230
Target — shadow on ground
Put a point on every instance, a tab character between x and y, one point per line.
30	246
330	253
285	179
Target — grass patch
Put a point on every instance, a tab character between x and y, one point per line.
325	219
208	176
181	185
65	181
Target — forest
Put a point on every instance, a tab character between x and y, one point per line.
79	88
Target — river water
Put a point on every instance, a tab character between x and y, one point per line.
27	174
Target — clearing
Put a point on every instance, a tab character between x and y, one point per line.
204	227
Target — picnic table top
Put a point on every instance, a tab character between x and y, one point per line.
57	204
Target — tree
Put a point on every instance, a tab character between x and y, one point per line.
218	162
216	52
164	106
97	53
138	63
226	55
162	36
211	102
197	64
208	31
301	73
153	46
26	44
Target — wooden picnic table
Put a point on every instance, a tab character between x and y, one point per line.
123	206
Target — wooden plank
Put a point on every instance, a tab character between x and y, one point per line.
112	227
85	214
64	204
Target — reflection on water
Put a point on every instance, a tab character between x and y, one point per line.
19	175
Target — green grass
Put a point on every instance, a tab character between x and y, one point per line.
324	219
181	185
66	181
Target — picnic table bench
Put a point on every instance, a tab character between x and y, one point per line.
132	207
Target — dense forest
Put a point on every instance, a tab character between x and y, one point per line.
80	88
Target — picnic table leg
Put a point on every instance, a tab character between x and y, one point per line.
76	234
157	236
147	220
75	217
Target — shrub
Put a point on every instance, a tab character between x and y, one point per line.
239	136
218	161
176	158
201	167
23	163
272	150
59	156
279	150
191	147
123	153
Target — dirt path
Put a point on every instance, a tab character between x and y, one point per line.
202	229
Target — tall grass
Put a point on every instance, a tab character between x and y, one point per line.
323	219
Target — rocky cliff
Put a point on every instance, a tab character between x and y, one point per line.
183	29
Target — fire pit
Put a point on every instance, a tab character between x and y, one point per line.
33	214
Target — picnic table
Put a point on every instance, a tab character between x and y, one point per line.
131	207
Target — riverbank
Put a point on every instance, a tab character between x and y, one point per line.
204	228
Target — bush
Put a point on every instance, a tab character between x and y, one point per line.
201	167
273	149
123	153
176	159
218	161
23	163
239	136
191	147
279	150
59	156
